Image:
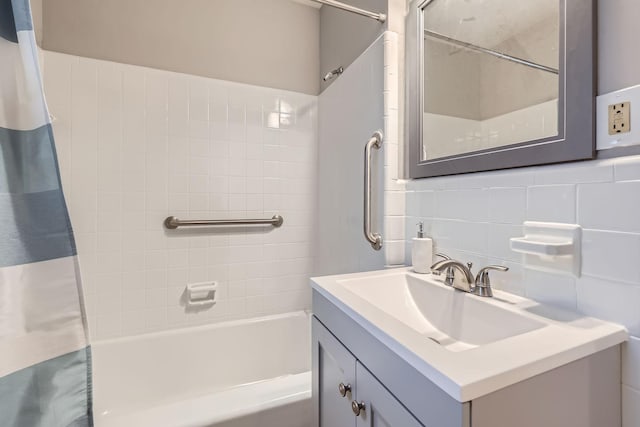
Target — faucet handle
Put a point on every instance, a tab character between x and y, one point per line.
483	282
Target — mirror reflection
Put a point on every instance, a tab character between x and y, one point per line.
490	74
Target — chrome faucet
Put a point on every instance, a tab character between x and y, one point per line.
451	265
445	257
480	286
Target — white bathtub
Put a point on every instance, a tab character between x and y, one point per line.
248	373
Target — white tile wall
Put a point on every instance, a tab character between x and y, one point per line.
552	203
610	206
630	365
602	196
393	186
507	205
631	409
136	145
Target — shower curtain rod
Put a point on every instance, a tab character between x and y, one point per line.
381	17
492	52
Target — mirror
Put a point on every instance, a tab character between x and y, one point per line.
493	84
490	74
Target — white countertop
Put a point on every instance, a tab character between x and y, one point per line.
468	374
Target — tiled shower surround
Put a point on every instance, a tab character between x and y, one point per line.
136	145
471	217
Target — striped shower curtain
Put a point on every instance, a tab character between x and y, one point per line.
44	353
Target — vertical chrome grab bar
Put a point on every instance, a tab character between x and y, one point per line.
374	238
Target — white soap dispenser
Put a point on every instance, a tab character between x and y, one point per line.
421	252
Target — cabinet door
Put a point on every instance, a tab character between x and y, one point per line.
333	366
379	408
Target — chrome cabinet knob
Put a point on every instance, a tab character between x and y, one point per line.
344	389
357	407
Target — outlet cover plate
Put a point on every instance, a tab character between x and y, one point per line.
603	139
619	118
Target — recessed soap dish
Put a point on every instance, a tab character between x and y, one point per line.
201	294
551	247
538	245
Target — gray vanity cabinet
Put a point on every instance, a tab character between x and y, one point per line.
381	409
582	393
336	372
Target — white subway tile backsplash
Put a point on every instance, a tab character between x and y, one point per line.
467	257
509	178
143	144
627	168
631	412
507	205
608	300
461	235
551	289
596	171
610	206
583	193
630	365
510	281
426	204
611	255
411	202
552	203
470	205
499	243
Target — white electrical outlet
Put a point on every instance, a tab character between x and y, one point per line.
619	117
617	124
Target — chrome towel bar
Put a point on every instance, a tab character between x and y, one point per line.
172	222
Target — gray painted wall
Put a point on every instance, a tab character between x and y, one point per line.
344	36
618	35
272	43
348	111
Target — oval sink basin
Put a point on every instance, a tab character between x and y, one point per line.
455	320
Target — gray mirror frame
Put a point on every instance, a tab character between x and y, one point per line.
576	108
